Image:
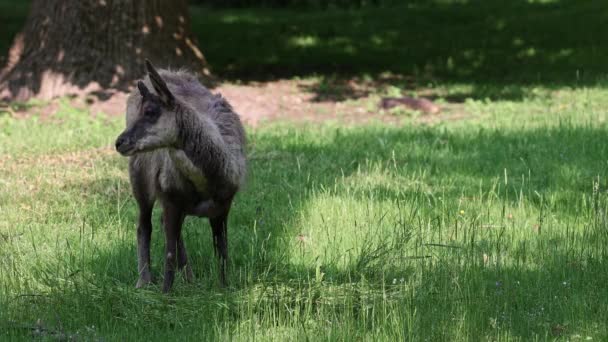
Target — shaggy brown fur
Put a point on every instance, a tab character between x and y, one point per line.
186	149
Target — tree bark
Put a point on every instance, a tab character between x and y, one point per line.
74	47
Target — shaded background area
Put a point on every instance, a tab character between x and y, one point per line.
484	41
420	43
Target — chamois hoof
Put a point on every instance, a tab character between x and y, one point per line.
224	283
188	275
167	288
143	282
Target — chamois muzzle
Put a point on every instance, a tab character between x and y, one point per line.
124	145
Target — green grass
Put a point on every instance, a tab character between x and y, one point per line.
492	228
481	42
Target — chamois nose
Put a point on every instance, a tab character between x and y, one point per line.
120	141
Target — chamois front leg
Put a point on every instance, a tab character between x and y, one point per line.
144	233
172	219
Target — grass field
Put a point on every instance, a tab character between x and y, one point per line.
493	227
486	229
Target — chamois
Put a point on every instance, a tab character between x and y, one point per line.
186	148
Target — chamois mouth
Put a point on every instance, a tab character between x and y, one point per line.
126	151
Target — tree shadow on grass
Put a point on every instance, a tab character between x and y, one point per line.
489	44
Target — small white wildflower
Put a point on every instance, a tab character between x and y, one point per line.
394	281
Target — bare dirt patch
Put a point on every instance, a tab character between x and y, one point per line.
297	101
291	101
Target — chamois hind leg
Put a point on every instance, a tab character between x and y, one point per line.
172	219
182	260
219	225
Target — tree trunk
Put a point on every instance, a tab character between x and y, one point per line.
74	47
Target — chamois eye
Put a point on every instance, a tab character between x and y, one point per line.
151	111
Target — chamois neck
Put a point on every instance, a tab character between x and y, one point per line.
202	142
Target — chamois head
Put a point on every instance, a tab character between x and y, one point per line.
151	118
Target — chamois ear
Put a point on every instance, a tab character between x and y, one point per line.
143	90
159	85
